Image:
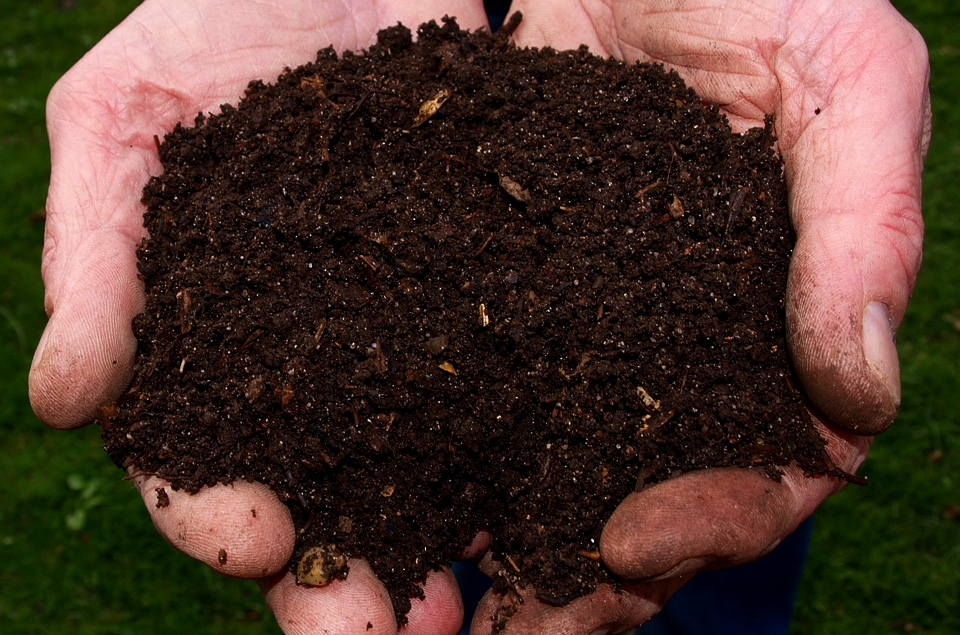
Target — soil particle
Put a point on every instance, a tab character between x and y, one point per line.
163	499
455	285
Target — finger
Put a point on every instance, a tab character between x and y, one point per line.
357	605
85	356
604	611
241	529
854	177
717	518
360	604
477	547
93	224
440	612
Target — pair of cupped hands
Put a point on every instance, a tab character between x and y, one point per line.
847	85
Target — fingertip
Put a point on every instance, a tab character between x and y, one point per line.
76	370
440	612
478	546
841	341
85	357
357	604
710	518
620	542
241	529
618	548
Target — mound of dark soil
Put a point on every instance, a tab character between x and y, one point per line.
454	285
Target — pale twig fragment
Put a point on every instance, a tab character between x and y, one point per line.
431	106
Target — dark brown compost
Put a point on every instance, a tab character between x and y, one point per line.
455	285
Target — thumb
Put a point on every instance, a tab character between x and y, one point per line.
854	175
89	268
85	356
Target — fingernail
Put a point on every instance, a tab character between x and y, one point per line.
879	348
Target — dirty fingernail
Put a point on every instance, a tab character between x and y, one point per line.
879	348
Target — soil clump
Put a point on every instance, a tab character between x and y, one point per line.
453	285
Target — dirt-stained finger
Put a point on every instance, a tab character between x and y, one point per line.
718	518
85	357
240	529
604	611
440	612
357	605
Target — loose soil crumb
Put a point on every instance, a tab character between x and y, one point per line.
455	285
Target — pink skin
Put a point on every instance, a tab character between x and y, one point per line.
854	176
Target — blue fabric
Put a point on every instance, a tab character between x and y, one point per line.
473	585
752	599
496	12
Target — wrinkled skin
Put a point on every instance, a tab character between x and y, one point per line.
853	172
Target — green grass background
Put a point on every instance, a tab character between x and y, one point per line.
78	553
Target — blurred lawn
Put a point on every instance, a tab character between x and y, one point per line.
78	553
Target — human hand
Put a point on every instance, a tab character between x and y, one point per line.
168	61
847	85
